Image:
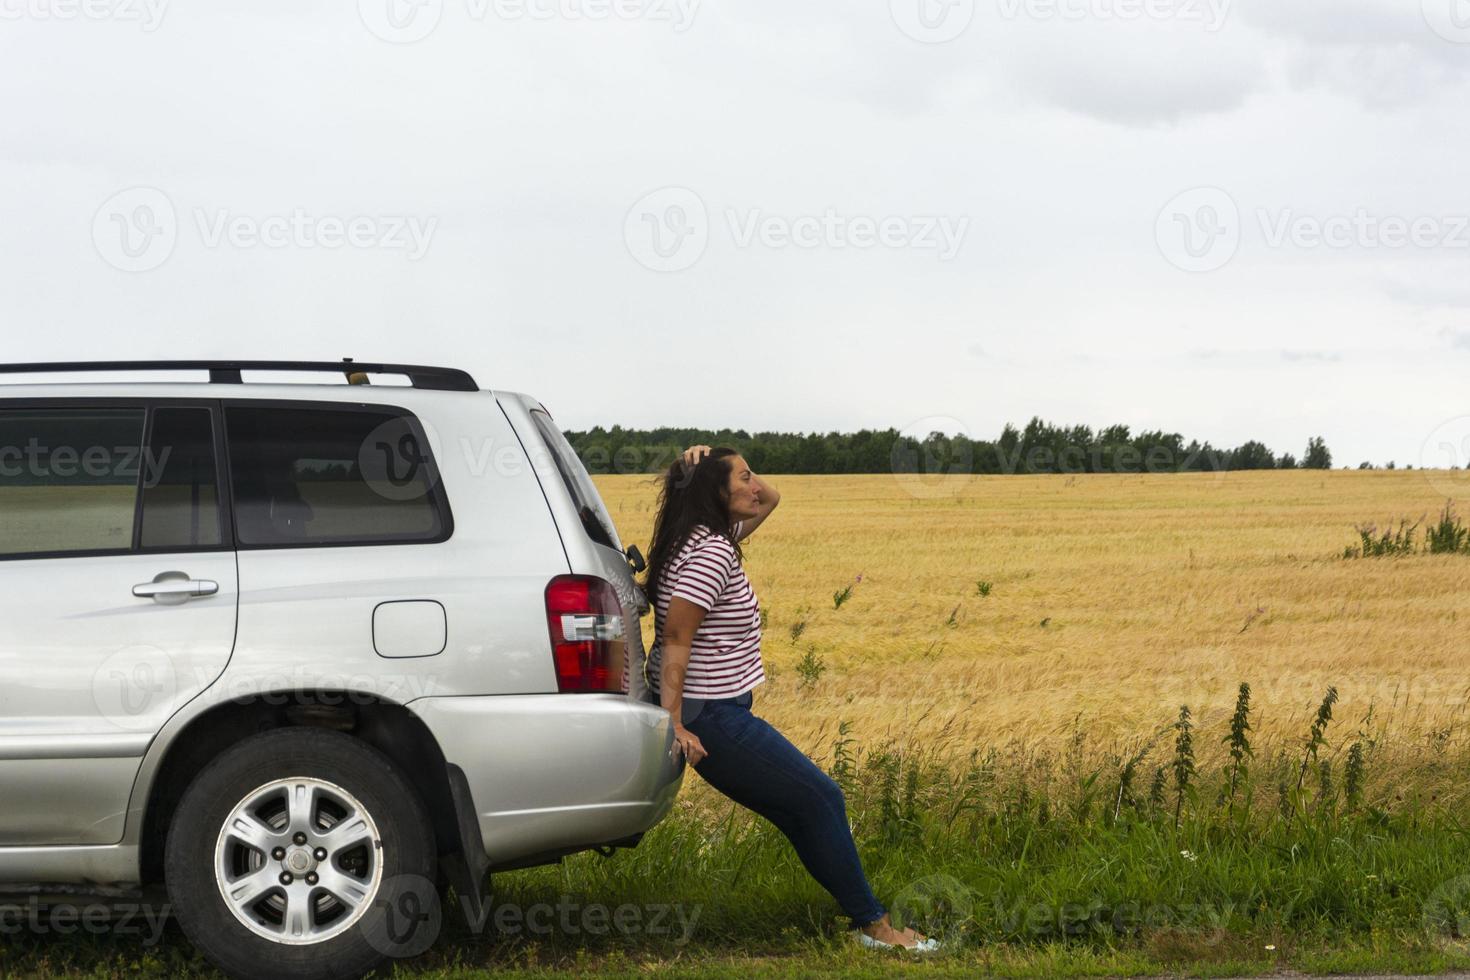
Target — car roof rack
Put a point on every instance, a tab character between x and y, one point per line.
228	372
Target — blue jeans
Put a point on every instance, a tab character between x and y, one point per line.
754	765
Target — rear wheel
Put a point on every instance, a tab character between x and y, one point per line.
293	853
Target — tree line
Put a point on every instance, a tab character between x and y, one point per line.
1039	447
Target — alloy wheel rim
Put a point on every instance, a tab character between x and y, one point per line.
299	860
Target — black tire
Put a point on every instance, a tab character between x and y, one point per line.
405	851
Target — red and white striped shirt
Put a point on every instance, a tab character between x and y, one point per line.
725	657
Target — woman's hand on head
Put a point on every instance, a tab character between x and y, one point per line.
689	744
694	454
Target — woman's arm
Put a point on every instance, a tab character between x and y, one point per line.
769	497
680	625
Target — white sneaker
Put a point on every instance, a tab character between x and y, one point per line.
929	945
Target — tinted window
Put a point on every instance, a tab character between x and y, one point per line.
331	476
68	479
180	485
574	476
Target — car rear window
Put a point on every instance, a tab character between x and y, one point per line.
332	476
594	517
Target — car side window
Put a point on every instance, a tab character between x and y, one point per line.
574	477
68	480
321	475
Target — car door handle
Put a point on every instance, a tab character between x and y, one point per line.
175	587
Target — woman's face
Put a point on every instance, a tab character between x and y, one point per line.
744	489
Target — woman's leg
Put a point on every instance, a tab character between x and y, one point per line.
755	765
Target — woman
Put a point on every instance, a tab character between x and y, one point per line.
706	661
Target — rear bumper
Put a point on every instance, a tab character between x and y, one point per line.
557	772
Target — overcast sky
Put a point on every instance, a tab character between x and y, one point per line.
1233	220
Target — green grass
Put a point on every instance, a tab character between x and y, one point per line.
1237	859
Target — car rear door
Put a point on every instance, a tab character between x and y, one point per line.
117	572
553	458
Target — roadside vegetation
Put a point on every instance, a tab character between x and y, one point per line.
1196	848
1091	725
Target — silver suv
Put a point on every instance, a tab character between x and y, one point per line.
293	650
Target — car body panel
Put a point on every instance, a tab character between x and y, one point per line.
602	768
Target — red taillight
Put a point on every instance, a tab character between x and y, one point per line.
586	623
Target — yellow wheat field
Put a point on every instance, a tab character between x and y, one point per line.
1155	591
